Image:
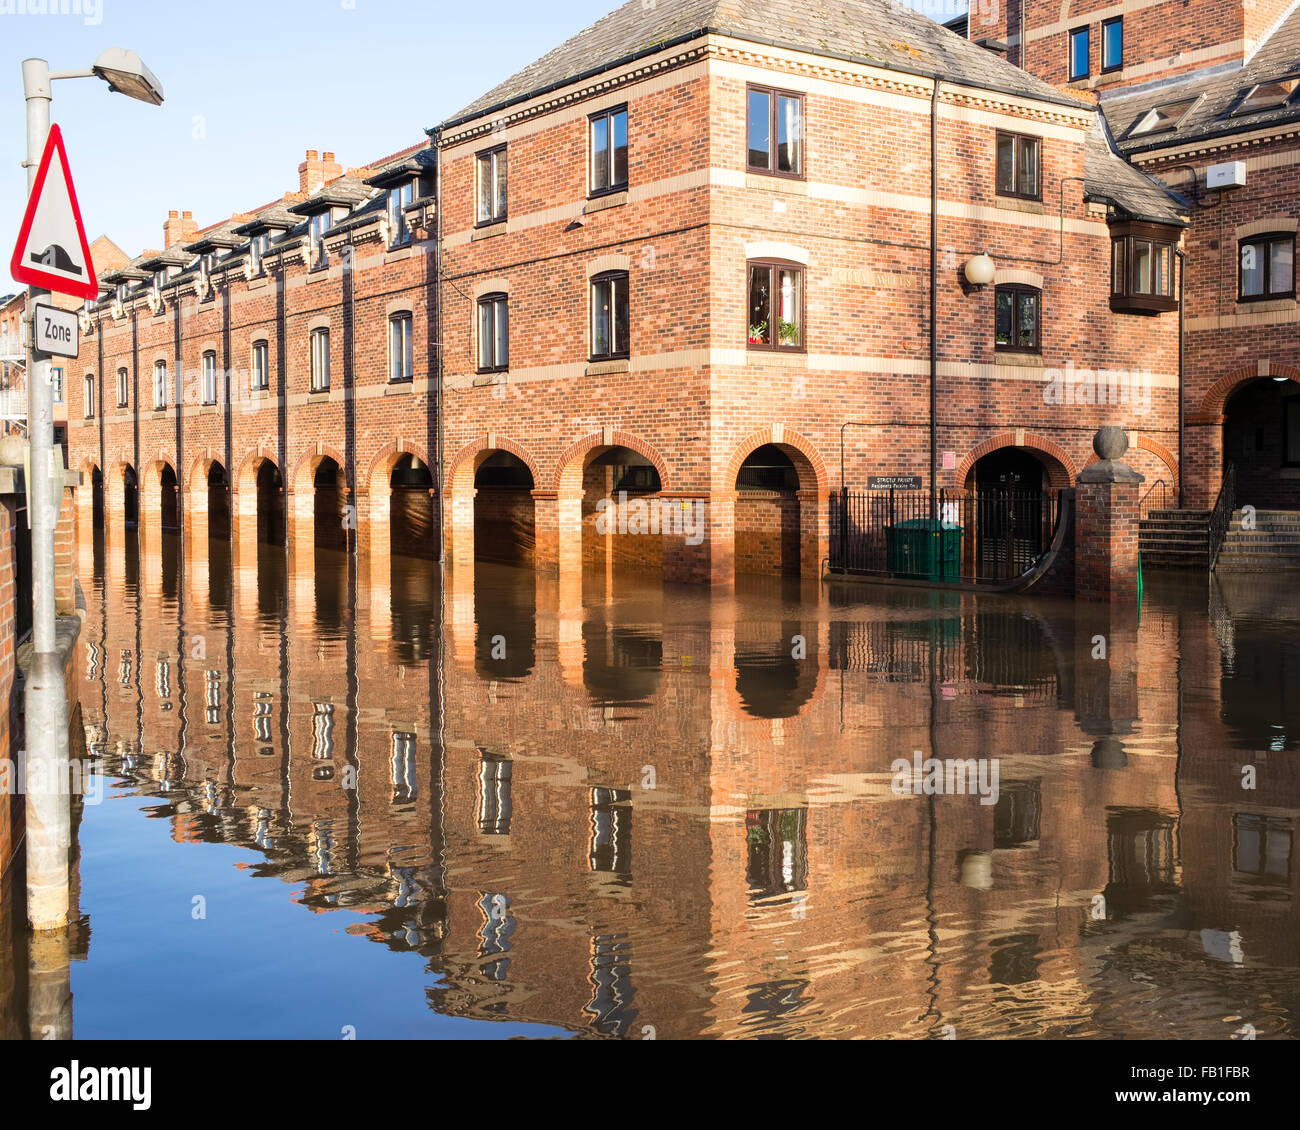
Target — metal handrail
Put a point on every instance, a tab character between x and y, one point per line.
1221	515
1142	505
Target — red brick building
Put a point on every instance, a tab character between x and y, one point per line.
690	264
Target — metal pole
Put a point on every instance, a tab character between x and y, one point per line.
46	770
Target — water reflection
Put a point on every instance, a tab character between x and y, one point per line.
633	812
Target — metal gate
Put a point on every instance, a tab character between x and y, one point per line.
985	536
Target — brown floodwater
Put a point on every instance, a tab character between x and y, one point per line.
347	796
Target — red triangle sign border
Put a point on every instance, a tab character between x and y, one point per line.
33	276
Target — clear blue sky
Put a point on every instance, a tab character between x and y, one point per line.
250	86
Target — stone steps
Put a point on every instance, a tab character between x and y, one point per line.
1175	539
1272	545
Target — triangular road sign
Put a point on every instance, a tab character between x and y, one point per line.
52	251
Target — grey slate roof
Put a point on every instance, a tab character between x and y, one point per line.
1277	57
883	33
344	190
1108	177
271	218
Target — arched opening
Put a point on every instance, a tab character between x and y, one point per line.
768	519
1008	521
411	521
97	501
270	504
504	527
168	500
218	503
623	519
1261	436
130	497
329	519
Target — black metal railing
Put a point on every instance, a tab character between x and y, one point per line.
1144	507
1221	515
981	536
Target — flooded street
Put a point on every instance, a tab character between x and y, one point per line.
637	812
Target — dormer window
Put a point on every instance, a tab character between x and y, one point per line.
121	291
158	277
256	250
317	226
399	197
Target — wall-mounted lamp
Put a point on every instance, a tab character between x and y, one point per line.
979	270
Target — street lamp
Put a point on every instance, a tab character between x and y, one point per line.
45	694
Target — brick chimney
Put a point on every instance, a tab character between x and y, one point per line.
317	170
177	229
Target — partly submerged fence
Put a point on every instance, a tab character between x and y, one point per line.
979	536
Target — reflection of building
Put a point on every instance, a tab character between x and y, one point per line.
653	820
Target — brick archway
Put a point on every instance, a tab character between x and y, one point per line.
781	437
1061	471
569	468
1216	397
460	471
301	480
375	503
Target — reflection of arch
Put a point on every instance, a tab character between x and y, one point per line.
811	477
1216	397
620	665
1061	471
569	469
770	683
461	470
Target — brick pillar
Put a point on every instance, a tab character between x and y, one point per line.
460	527
114	503
721	518
546	531
1203	455
300	507
814	533
196	517
374	529
1106	530
685	520
243	527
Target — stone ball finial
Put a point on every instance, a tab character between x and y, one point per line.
1110	443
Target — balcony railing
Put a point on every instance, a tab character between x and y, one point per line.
13	404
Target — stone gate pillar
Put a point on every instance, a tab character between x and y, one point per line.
1106	525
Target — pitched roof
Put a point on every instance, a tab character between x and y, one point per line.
881	33
1110	178
1218	92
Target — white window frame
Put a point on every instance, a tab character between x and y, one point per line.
123	388
209	369
160	384
399	197
485	207
259	381
89	389
319	342
401	336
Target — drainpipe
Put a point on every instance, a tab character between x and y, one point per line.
1182	297
934	300
435	137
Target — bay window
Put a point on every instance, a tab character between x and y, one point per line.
1142	268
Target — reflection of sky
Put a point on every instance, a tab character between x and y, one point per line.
257	965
